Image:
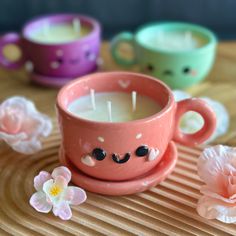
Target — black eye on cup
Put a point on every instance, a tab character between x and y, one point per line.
141	151
150	68
87	54
99	154
60	60
186	70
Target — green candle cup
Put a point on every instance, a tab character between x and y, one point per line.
180	54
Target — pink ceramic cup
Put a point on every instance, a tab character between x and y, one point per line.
68	59
80	137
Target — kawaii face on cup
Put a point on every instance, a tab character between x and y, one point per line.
186	71
109	153
176	72
63	58
99	153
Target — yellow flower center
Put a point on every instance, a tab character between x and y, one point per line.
55	190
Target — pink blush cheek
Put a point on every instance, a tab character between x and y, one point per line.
88	161
154	153
87	147
193	73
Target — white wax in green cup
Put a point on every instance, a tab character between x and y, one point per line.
175	40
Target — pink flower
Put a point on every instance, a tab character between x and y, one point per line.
217	168
53	193
22	126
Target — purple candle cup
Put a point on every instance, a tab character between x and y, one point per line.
59	61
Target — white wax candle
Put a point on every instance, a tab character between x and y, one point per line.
134	100
109	111
175	40
92	92
121	106
59	33
76	26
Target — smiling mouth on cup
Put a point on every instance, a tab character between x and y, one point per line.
168	72
116	158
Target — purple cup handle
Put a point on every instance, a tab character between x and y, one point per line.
7	39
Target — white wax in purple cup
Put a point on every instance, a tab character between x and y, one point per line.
59	33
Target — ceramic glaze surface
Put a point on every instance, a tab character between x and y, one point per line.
179	64
143	183
121	151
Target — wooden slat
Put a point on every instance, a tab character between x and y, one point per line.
168	209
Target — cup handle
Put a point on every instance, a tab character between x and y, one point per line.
208	115
11	38
124	37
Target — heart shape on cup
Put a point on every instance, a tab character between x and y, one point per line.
88	160
124	83
153	154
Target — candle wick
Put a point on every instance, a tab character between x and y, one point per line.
109	110
188	37
92	96
46	28
134	100
76	25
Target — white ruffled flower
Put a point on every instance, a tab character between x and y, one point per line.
192	121
22	126
53	193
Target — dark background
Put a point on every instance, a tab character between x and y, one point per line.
118	15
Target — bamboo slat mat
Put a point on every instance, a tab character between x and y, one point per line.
168	209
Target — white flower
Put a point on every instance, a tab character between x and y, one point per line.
192	121
53	193
22	126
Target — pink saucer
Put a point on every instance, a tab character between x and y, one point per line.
140	184
49	81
